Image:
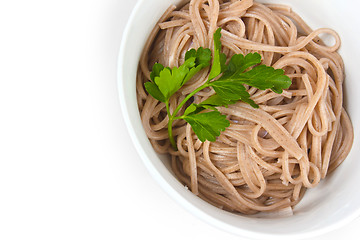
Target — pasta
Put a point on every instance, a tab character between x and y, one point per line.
268	156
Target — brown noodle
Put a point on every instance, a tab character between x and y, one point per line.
269	156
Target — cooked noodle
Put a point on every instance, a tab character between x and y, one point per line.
268	156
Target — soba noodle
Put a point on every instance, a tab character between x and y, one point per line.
268	156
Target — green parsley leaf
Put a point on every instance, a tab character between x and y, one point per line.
219	58
196	108
210	103
216	101
170	80
202	59
238	64
193	108
264	77
202	56
207	125
230	90
230	85
157	68
154	91
261	76
167	81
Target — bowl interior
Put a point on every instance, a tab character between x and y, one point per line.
333	203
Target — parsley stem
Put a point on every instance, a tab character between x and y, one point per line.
188	97
170	133
168	109
173	117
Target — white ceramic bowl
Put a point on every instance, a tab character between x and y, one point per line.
335	202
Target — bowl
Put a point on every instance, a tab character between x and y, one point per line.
332	204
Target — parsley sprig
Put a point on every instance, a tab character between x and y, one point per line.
229	87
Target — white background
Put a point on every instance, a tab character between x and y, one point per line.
67	167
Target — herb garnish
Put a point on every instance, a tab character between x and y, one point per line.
229	87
